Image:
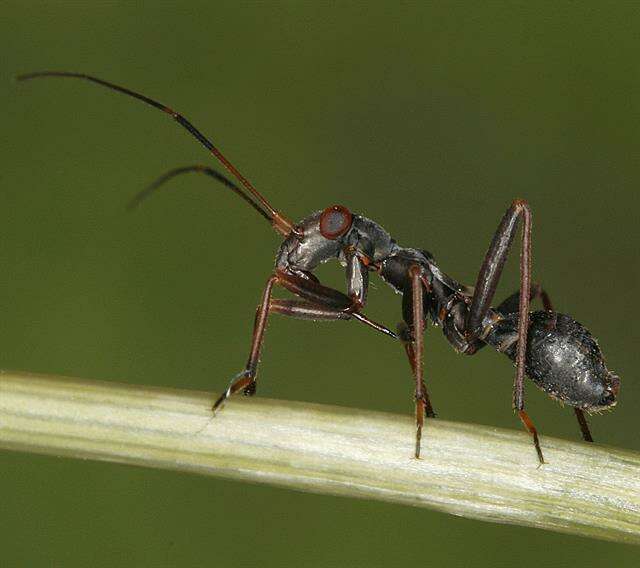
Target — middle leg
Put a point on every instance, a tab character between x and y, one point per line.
411	333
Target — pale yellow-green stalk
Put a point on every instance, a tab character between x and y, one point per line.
467	470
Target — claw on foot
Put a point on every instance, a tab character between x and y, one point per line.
242	381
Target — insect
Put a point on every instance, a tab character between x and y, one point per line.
554	350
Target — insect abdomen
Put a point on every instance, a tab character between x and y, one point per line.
563	359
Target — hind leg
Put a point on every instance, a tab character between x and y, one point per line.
485	288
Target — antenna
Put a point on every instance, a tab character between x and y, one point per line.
279	222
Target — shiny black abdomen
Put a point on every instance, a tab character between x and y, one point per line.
563	358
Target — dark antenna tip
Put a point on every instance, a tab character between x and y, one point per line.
132	203
34	74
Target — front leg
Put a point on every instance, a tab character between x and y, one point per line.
309	288
246	380
357	278
485	288
322	303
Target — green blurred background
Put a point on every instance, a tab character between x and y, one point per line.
428	118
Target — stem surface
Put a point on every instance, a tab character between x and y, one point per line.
467	470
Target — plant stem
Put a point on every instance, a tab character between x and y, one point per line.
467	470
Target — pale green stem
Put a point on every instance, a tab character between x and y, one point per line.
467	470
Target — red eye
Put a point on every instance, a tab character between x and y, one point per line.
335	221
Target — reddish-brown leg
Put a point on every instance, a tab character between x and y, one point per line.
584	425
485	288
246	380
528	424
322	303
413	339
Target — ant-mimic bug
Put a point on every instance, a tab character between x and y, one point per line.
554	350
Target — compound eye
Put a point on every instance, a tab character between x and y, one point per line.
335	221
